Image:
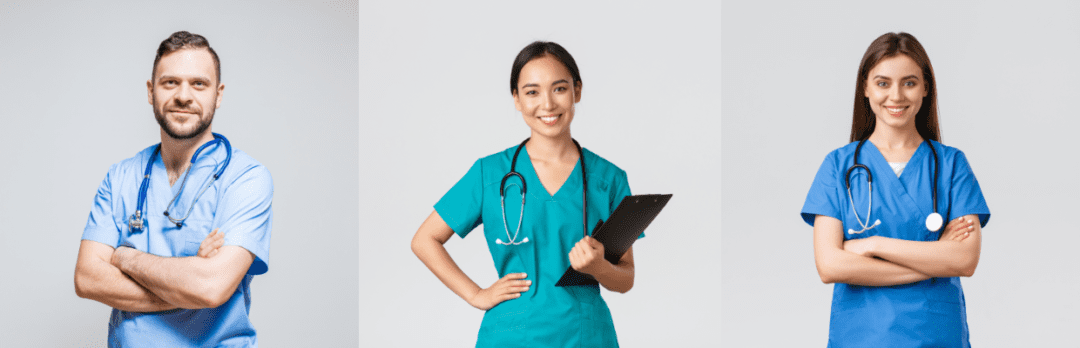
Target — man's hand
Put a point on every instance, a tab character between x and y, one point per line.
211	244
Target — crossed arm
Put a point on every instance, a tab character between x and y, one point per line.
134	281
882	261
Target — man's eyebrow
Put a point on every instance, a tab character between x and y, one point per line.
173	77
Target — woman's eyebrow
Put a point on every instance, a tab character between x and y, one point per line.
902	78
527	85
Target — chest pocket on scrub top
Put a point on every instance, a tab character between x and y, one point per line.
189	237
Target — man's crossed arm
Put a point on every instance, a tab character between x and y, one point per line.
134	281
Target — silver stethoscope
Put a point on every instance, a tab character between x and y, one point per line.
502	197
137	222
933	221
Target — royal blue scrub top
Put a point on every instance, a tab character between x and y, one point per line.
546	315
238	203
929	313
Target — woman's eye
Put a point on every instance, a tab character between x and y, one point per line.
530	93
883	84
560	89
910	83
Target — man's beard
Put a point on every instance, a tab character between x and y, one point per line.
203	125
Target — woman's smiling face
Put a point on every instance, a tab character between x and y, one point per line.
895	89
546	95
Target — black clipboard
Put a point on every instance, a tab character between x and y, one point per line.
622	229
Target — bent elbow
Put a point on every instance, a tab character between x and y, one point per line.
207	296
416	245
826	278
969	269
966	266
83	285
825	273
207	301
81	288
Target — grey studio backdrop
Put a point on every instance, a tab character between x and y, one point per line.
74	102
1006	75
435	96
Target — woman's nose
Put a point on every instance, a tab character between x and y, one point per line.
894	93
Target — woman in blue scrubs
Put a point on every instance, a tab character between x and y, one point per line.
896	282
524	308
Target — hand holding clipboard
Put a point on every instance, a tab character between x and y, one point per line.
622	229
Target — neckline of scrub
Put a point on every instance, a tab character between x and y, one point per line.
569	181
916	158
208	158
898	167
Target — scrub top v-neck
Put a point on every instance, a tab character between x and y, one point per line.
545	315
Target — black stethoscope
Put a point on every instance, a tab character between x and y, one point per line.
933	221
137	222
502	196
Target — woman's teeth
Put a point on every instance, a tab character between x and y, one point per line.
896	110
548	119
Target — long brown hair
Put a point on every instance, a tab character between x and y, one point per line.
886	46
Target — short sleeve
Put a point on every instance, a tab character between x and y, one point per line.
822	198
461	207
244	214
620	189
966	197
100	226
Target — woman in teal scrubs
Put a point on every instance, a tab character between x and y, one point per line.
897	281
524	307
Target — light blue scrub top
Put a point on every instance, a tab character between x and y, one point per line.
929	313
238	203
546	315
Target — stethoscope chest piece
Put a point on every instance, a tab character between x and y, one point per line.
934	222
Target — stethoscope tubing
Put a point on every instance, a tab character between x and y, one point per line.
135	222
870	183
513	173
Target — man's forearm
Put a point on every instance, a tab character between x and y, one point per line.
187	282
98	280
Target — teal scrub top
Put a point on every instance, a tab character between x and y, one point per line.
545	315
929	313
239	203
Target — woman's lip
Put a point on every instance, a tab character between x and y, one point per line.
551	119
